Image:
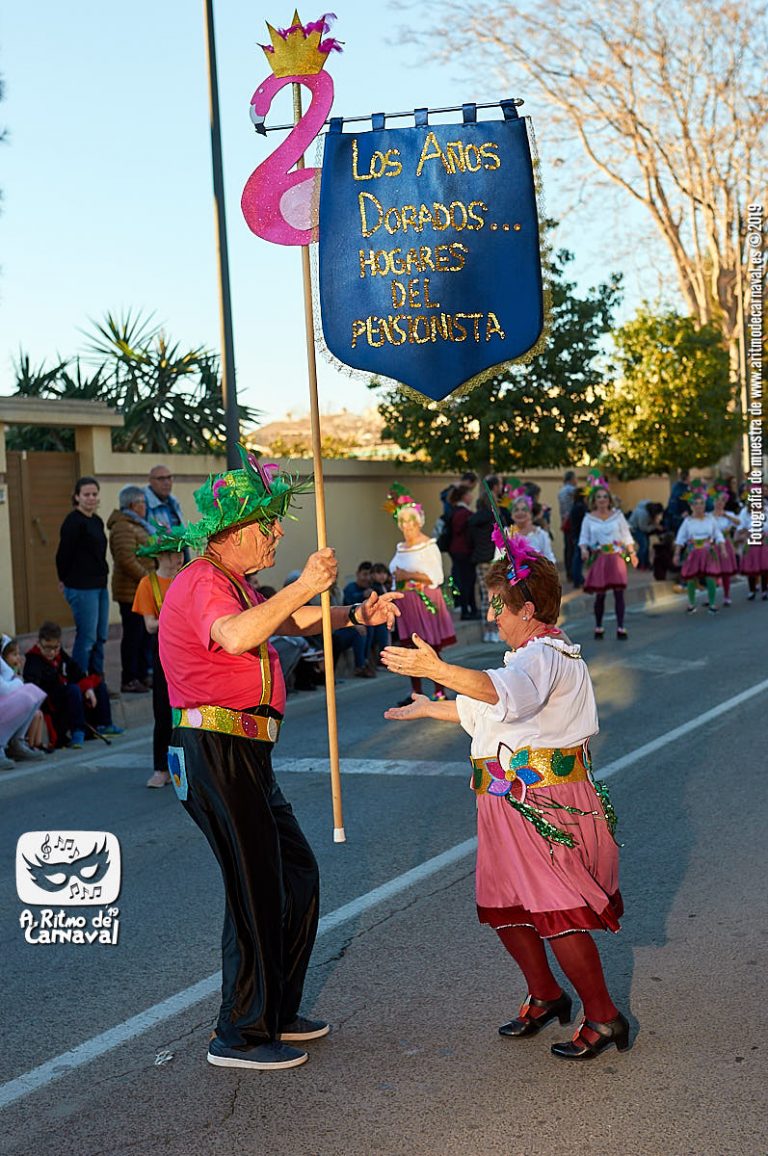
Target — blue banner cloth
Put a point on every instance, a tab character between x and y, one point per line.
430	272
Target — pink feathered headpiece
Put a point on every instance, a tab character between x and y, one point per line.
518	552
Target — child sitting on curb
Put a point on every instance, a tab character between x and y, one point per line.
76	702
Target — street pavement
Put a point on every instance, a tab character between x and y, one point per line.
414	987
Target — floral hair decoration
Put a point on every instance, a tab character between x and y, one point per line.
595	481
398	499
697	489
519	554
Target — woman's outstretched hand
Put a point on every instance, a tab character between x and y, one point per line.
419	662
419	708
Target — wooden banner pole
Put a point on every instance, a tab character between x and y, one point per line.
322	536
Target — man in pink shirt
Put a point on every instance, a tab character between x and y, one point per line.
227	693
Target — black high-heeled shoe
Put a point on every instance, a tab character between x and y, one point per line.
616	1032
528	1025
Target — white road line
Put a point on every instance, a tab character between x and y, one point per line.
62	1065
678	732
107	1041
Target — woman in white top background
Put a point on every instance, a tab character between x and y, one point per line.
607	540
754	560
727	524
700	536
537	537
417	569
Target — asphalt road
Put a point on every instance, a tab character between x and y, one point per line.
414	987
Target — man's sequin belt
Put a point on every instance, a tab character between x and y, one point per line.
529	768
240	723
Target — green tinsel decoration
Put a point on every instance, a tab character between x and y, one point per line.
604	795
546	829
450	593
432	609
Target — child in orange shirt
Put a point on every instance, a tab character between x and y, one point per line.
147	601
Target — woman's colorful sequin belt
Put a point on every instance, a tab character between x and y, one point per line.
529	768
240	723
699	542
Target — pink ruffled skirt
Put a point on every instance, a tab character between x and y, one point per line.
729	563
518	881
702	562
754	560
436	629
607	572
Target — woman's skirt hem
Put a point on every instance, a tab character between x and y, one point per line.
437	629
754	560
550	924
607	572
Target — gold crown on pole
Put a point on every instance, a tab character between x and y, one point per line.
300	49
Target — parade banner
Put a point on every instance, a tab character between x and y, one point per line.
429	266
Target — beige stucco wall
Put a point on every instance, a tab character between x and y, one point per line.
357	525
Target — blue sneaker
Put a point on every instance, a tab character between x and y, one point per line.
111	730
78	738
262	1058
302	1029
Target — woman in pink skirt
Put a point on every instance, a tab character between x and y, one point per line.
727	524
700	536
607	541
417	568
753	532
547	862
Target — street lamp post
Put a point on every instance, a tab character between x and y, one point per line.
228	386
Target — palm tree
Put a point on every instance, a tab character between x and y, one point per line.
170	397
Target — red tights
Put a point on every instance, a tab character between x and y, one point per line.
579	958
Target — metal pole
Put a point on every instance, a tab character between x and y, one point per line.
228	386
339	835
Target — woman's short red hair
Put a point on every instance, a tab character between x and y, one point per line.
543	584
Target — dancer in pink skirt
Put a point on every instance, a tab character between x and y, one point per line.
727	523
417	567
607	541
700	536
547	862
754	560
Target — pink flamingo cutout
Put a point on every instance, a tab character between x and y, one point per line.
279	205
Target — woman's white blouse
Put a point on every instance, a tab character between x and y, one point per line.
545	700
597	532
541	541
423	558
705	527
726	522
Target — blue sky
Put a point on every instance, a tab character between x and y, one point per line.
106	179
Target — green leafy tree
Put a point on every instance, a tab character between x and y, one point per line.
672	404
544	413
170	397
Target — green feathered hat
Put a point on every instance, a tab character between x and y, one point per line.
254	493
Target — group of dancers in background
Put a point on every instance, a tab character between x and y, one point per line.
710	548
